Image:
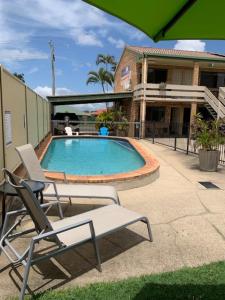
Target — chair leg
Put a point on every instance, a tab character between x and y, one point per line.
146	221
70	199
97	254
95	244
60	210
59	207
26	273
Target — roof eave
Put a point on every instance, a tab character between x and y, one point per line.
195	58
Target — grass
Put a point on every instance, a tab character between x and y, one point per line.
205	282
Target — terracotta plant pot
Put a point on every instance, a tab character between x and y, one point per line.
209	160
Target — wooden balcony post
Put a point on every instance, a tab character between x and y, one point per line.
195	76
144	70
143	114
193	113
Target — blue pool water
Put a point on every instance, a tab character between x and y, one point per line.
91	156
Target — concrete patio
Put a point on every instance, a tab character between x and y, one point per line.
188	223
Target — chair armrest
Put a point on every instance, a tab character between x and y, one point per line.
49	204
64	174
63	229
15	212
49	182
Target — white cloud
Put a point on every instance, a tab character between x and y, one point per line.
13	41
90	106
45	91
118	43
74	19
85	38
193	45
58	72
137	35
64	91
77	66
32	70
7	55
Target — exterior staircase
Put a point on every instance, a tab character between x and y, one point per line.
211	110
215	106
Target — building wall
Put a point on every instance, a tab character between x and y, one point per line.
175	75
32	118
162	127
14	102
40	119
1	132
128	59
19	118
188	74
180	76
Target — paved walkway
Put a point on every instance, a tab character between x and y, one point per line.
188	223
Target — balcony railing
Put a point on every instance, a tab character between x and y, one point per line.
185	93
169	92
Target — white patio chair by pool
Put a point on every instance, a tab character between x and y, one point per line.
66	234
62	190
69	131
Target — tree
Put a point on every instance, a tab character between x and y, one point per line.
102	77
20	76
106	60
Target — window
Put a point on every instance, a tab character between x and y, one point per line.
155	114
212	79
157	75
209	79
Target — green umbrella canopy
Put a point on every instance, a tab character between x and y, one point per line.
170	19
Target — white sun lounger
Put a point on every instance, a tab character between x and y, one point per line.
60	190
66	233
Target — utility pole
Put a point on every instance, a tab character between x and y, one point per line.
52	57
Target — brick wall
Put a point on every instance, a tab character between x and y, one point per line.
128	59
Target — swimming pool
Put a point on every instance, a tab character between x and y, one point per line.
91	156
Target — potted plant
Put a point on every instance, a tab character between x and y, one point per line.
208	135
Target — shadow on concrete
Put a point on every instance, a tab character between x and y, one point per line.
54	273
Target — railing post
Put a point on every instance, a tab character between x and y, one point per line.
188	140
139	131
153	136
218	110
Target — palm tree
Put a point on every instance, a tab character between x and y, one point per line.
102	77
106	60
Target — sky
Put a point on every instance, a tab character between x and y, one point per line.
79	32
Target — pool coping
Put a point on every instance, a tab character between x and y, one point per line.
151	165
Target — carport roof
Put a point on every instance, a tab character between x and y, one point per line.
89	98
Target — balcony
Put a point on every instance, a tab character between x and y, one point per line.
169	92
182	93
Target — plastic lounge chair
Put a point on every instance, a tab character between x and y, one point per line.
69	131
66	233
103	131
59	190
